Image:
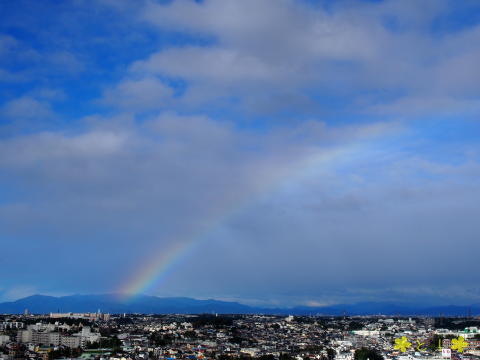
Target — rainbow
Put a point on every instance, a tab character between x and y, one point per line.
165	259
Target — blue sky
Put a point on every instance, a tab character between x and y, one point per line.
310	152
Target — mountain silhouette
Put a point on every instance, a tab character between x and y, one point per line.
144	304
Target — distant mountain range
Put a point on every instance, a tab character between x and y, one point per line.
114	304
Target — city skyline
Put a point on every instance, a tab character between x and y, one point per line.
274	153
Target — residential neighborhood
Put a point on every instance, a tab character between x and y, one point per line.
99	336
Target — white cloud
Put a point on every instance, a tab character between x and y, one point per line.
26	108
143	94
8	44
286	47
18	292
65	61
28	150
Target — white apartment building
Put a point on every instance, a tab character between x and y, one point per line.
4	339
70	341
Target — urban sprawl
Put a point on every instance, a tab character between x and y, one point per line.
98	336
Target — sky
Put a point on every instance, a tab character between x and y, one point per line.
271	152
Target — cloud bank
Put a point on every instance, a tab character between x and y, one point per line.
309	152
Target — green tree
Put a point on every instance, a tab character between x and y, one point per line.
435	342
266	357
284	356
365	353
331	353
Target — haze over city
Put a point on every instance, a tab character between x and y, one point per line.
275	153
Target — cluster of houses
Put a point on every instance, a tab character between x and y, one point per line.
192	337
